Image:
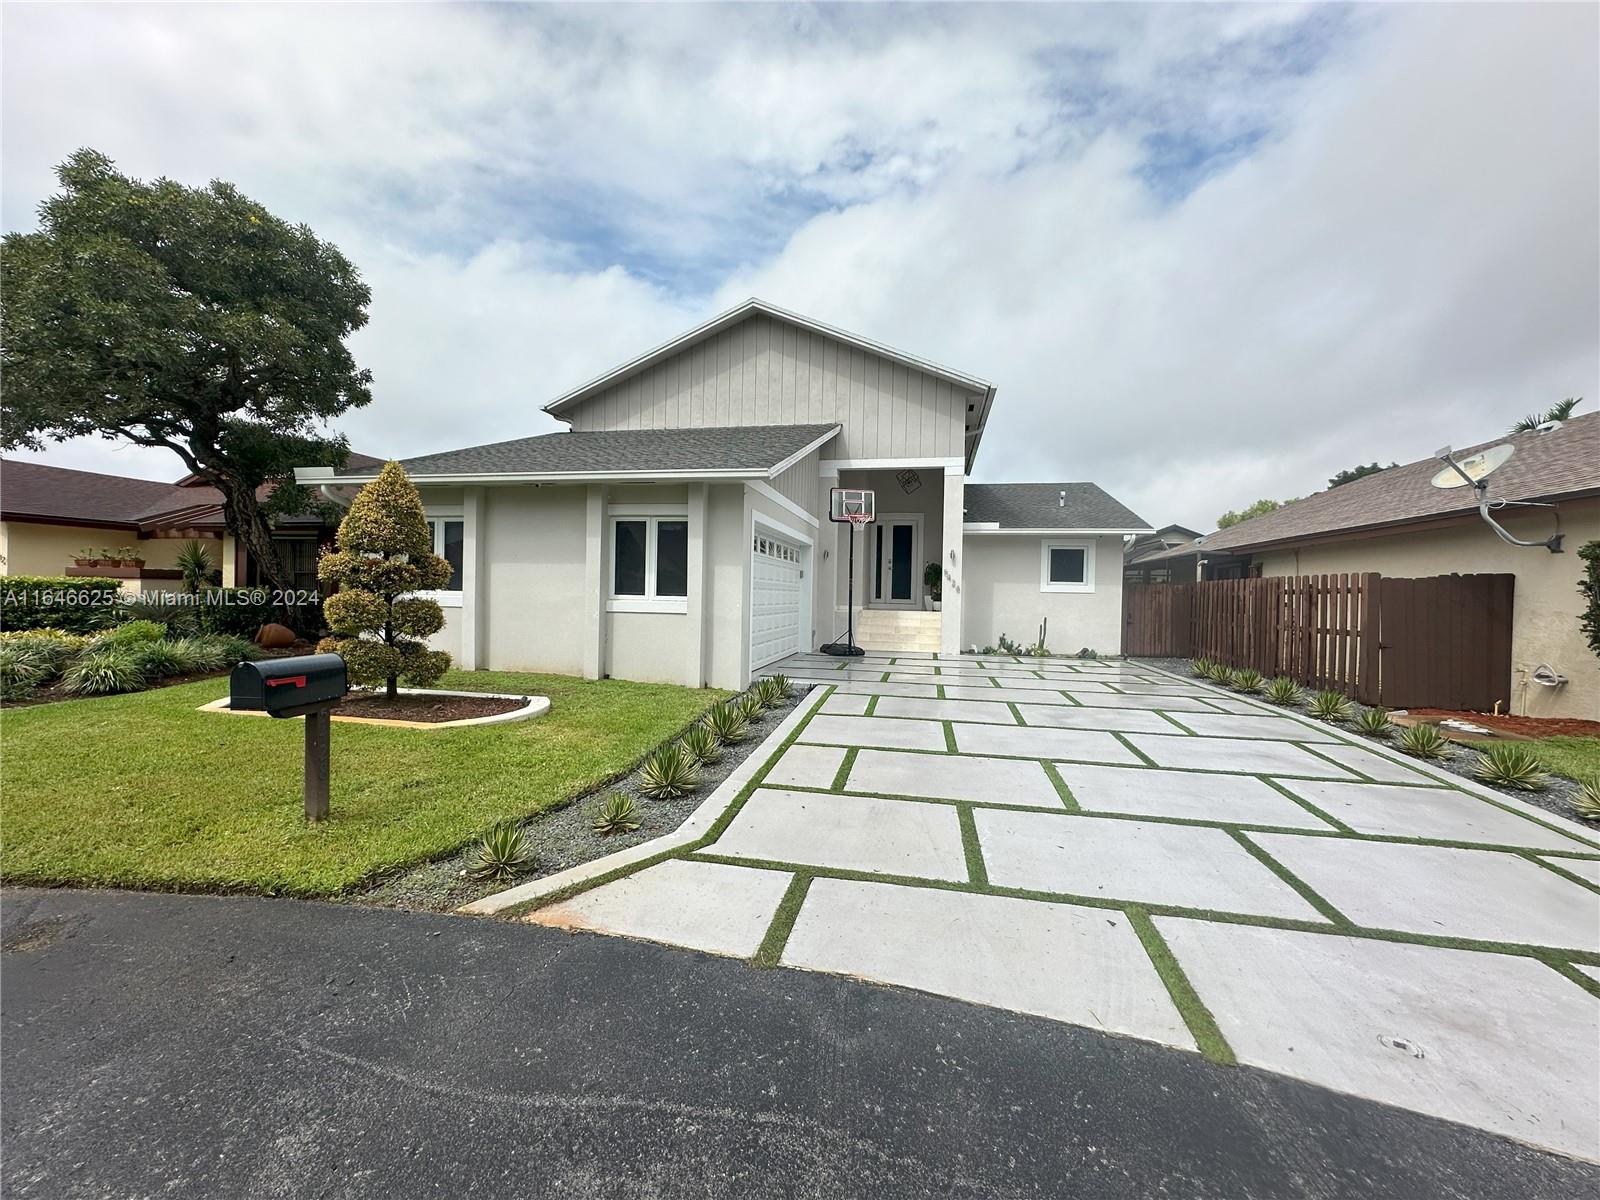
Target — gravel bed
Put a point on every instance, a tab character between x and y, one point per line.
562	836
1557	796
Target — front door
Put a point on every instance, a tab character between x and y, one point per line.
896	568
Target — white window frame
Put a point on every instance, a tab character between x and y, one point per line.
1045	583
436	517
652	516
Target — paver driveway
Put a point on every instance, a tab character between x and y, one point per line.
1109	845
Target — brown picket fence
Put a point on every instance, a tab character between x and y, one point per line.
1441	642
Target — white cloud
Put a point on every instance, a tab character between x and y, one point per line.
1406	255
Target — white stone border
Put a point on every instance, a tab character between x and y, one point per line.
534	706
695	827
1421	766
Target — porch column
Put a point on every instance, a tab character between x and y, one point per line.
695	639
594	590
951	555
472	580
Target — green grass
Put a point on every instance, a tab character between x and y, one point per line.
143	791
1574	757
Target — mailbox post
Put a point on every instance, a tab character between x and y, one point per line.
308	686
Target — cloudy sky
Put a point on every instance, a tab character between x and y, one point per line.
1207	254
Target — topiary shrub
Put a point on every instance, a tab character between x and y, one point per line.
384	554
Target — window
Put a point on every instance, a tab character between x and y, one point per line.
649	564
1066	567
449	542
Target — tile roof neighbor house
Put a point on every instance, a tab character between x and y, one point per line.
49	515
1397	523
679	529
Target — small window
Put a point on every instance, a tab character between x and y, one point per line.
672	558
649	564
632	549
449	543
1067	567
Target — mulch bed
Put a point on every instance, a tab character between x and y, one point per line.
1533	727
430	709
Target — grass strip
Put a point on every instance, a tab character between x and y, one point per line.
872	704
977	873
1587	982
950	738
1289	877
1172	720
843	772
1308	806
1202	1025
1143	758
1570	876
1061	787
770	952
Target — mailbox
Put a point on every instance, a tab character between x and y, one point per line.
288	687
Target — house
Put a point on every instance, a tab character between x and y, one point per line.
679	530
1396	523
1165	556
50	515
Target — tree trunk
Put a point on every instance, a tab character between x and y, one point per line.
242	514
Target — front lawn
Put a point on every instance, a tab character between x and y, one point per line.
1574	757
143	791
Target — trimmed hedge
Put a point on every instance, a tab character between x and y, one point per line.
59	602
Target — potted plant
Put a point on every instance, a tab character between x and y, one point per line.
127	556
933	585
87	557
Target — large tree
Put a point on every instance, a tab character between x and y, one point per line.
189	318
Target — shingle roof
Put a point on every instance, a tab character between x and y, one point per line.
1048	506
752	448
1545	465
30	489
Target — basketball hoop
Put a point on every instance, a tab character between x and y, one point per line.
857	508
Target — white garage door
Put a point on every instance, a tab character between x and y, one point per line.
777	599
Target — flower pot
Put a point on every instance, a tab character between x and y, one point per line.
937	607
85	562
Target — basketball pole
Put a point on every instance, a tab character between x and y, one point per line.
848	649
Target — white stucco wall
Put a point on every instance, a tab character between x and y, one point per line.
533	610
1545	604
1002	594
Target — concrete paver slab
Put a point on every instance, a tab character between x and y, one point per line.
1427	812
1176	704
884	733
705	906
1234	754
854	833
945	710
1053	960
845	704
926	691
1254	726
1583	868
1132	860
1446	1032
1489	895
953	777
1374	766
1004	695
1082	744
1236	799
807	766
1124	720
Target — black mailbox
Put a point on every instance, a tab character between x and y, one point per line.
288	687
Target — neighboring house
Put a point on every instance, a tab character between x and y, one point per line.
49	515
1164	556
1397	524
679	531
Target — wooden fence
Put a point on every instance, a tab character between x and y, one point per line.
1441	642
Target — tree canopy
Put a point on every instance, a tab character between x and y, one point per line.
1351	474
1259	508
187	318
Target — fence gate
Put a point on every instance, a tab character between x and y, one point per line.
1441	642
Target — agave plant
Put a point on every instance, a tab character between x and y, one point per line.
782	686
701	744
749	705
616	814
1512	765
1283	690
105	671
501	853
668	773
1219	674
1374	722
1201	667
1247	680
1587	802
1423	741
727	723
770	694
1330	706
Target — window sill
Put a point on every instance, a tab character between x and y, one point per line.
1079	588
442	599
647	604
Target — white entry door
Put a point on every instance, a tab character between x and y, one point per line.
894	546
777	599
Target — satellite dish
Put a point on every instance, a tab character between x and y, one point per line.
1474	468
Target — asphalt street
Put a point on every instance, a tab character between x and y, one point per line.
196	1046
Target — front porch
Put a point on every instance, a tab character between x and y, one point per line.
906	561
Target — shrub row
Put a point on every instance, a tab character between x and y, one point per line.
89	606
130	658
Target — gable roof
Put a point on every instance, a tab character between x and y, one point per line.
746	451
1546	466
1013	507
733	316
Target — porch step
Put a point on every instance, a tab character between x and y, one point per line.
905	629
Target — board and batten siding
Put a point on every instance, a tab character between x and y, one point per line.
799	482
764	371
